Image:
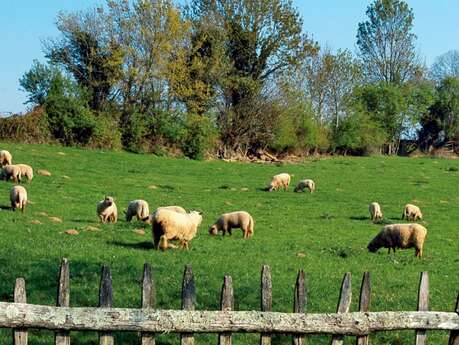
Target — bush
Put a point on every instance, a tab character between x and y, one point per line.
30	128
200	137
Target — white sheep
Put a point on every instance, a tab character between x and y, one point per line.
279	181
26	170
18	197
228	221
170	225
11	171
375	212
107	210
303	184
411	212
174	208
139	209
5	158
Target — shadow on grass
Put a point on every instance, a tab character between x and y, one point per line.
147	245
5	207
92	220
359	218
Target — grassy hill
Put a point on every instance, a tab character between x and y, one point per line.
325	233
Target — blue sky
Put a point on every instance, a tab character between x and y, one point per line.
330	22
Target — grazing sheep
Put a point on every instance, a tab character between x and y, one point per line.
278	181
411	212
27	171
177	209
18	197
11	171
5	158
107	210
375	212
228	221
401	236
138	208
170	225
303	184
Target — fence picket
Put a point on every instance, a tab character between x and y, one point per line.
454	336
20	336
63	300
423	305
364	304
344	304
148	300
106	301
227	304
188	300
266	299
299	304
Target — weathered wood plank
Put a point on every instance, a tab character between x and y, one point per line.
148	300
343	304
63	300
226	304
105	301
266	299
454	336
364	304
423	305
20	336
188	300
299	304
18	315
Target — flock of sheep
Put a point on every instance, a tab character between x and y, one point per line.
174	223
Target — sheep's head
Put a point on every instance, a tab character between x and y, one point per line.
375	244
108	200
213	230
271	187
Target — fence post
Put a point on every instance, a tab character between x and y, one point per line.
423	305
344	304
63	300
454	336
105	301
299	304
226	303
364	304
20	296
266	299
148	300
188	300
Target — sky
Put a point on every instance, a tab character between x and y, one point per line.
333	23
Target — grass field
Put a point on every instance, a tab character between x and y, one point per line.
330	228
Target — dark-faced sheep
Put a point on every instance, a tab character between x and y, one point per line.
279	181
305	184
227	221
5	158
18	197
107	210
401	236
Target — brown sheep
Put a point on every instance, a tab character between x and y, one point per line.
107	210
228	221
18	197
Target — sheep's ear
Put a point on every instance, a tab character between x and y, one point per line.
200	212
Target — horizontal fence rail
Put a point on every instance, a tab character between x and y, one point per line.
148	321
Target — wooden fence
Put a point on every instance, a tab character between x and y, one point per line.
147	320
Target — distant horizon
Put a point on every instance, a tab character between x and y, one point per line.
329	22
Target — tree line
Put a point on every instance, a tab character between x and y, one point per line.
239	76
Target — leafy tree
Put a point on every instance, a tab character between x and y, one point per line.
37	82
446	65
386	42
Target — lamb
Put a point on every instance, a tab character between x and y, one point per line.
375	212
18	197
27	171
11	171
411	212
278	181
401	236
5	158
228	221
107	210
138	208
170	225
303	184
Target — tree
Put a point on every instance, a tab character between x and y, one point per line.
386	42
446	65
37	82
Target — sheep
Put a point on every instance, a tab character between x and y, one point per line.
228	221
401	236
11	171
138	208
107	210
411	212
18	197
375	212
27	171
177	209
278	181
170	225
5	158
303	184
